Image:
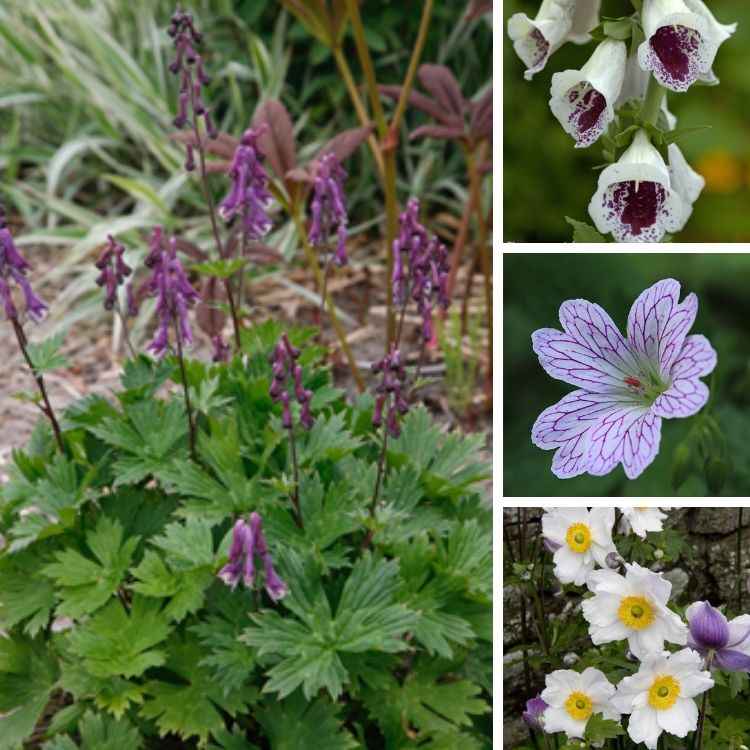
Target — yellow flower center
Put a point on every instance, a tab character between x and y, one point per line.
636	612
578	537
663	693
579	706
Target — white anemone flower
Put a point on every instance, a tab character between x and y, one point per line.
641	521
572	697
584	538
635	199
660	696
682	39
535	40
583	100
633	606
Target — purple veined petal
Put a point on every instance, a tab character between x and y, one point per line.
629	435
658	323
591	353
684	398
732	661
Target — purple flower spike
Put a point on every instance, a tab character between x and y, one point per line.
625	386
175	295
427	279
535	708
13	266
249	194
286	371
328	207
728	640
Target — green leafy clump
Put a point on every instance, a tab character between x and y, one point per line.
121	633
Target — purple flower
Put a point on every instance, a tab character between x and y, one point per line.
113	269
427	279
285	371
390	398
626	386
188	64
249	194
173	291
13	267
729	640
248	541
328	207
535	708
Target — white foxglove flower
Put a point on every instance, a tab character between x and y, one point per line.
534	41
660	696
634	90
585	539
682	39
641	521
633	606
685	180
583	100
635	200
572	697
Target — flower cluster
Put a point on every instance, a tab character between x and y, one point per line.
188	64
174	293
114	271
284	363
625	385
249	194
390	392
248	541
427	278
13	267
640	197
659	696
328	207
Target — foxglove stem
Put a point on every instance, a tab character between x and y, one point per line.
188	406
214	223
319	281
47	408
652	102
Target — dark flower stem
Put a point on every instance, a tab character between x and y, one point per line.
188	406
47	408
295	469
212	216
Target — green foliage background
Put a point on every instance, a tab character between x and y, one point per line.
536	285
545	178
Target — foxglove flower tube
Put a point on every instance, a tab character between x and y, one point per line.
660	696
641	521
583	100
249	194
635	200
729	640
533	716
682	39
626	386
328	207
583	538
633	607
535	40
13	268
572	697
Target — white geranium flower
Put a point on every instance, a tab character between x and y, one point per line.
534	41
583	100
682	39
641	521
633	606
659	697
635	199
572	697
584	538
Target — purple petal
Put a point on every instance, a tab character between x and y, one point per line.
658	323
732	661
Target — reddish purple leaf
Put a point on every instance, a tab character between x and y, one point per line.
277	139
450	132
440	82
210	318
